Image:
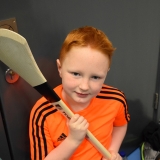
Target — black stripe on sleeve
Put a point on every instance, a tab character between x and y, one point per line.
42	130
116	93
34	141
37	129
113	91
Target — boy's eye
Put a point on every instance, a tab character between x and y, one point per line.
96	77
75	73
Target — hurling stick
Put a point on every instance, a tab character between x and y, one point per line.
16	54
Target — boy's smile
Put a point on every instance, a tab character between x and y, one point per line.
83	72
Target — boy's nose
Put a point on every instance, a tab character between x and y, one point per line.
84	85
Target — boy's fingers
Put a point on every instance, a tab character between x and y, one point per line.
74	118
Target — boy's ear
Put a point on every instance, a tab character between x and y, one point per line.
59	66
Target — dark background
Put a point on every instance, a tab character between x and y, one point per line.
132	26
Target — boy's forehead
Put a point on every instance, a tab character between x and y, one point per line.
79	56
85	52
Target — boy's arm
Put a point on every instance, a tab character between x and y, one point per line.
118	134
64	151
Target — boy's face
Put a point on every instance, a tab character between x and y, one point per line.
83	72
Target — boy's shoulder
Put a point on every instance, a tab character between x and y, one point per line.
113	98
43	105
109	94
109	91
58	89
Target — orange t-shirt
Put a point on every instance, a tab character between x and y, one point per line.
48	127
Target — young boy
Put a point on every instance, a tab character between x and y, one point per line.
83	65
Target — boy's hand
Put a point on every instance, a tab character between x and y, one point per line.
114	156
78	126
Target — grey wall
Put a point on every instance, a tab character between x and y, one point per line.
132	26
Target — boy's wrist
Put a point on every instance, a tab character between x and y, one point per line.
73	141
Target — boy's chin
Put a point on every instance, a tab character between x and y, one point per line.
82	100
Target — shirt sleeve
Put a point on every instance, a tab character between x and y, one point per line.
122	116
40	140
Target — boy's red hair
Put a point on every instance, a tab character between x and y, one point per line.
87	36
